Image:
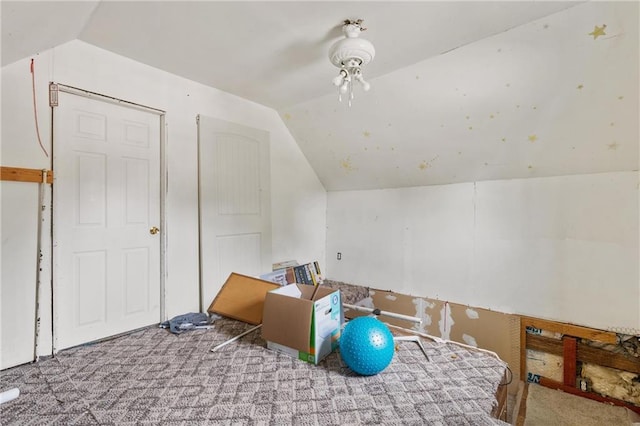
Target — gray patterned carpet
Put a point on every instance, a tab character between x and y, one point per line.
154	377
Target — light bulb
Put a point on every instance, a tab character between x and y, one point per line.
365	85
341	77
345	87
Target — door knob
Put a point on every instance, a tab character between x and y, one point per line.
154	230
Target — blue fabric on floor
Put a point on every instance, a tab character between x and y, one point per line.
186	322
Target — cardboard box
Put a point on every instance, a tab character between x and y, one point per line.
306	329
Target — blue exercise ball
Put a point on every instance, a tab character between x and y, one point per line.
366	345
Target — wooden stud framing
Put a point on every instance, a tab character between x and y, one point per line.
523	351
569	353
18	174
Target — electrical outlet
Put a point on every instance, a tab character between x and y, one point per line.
339	256
583	384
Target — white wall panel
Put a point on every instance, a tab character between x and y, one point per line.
19	209
439	239
367	229
563	248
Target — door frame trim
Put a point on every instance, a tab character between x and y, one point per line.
106	98
163	192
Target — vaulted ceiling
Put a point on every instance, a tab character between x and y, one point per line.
461	91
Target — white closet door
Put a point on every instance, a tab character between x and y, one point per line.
235	203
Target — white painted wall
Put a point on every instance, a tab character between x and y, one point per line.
18	274
298	198
562	248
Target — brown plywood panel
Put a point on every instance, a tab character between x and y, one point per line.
487	330
242	298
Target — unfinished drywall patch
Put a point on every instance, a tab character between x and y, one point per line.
428	311
422	307
469	340
446	322
481	328
472	314
491	330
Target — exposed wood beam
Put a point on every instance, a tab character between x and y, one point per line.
571	330
18	174
585	353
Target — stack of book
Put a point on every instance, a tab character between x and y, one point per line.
283	274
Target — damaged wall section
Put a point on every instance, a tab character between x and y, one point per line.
481	328
501	333
596	364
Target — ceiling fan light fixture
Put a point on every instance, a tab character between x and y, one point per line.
350	54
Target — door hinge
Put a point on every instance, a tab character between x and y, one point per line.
53	95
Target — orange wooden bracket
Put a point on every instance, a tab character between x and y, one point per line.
18	174
569	354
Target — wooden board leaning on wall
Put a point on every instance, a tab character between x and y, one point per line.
18	174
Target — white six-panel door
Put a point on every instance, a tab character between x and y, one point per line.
235	203
106	204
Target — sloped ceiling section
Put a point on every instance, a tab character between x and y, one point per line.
461	91
270	52
557	96
31	27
